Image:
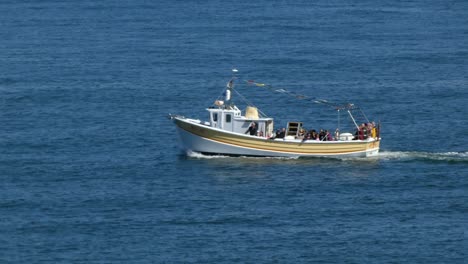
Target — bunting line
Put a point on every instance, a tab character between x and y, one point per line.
346	106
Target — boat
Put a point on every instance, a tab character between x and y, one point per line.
231	131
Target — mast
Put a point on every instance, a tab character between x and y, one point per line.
230	86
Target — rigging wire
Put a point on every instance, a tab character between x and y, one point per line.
336	106
249	103
297	96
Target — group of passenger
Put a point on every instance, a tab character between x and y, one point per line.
366	130
280	133
322	135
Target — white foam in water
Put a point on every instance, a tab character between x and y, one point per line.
383	155
198	155
408	155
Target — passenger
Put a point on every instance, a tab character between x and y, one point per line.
281	133
314	135
308	135
321	135
373	130
260	134
337	134
301	134
365	131
359	133
252	129
276	133
377	131
328	136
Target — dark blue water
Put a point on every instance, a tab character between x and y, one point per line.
91	170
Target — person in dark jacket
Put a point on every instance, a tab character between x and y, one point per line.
252	129
281	133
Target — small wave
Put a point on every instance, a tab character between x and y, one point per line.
383	155
431	156
198	155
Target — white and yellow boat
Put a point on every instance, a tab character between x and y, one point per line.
226	132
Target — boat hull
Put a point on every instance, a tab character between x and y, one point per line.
197	137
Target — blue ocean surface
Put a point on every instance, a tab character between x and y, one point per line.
91	170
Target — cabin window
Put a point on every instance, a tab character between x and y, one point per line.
215	117
228	118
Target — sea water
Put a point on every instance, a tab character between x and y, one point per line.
90	166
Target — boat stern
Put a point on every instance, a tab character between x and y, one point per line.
372	148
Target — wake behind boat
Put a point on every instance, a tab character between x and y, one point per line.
231	131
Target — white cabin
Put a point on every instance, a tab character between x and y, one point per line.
230	118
